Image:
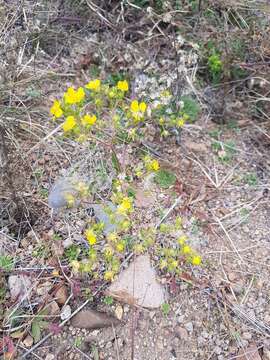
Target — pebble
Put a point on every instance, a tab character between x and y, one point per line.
49	357
181	333
181	319
189	327
247	336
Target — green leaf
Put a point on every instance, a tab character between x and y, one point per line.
165	178
115	163
35	331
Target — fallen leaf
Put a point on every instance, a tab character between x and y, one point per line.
61	295
119	312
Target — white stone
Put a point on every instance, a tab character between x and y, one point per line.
137	285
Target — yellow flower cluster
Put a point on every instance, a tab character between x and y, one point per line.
94	85
123	86
138	110
72	96
56	110
125	206
90	236
151	164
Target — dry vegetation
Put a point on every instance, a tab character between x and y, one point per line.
216	54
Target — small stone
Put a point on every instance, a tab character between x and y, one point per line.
189	327
28	341
247	336
49	357
119	312
180	319
181	333
217	350
126	309
61	295
92	319
67	243
66	312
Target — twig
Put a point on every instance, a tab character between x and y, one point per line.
168	212
228	236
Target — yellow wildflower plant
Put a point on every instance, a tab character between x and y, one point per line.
93	85
109	275
69	123
196	260
88	120
90	236
125	206
151	164
112	237
182	240
72	96
120	246
56	110
155	165
138	110
122	85
186	249
180	122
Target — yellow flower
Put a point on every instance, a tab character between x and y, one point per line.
70	200
108	252
122	85
109	275
134	106
161	121
72	96
181	122
94	85
120	247
56	109
112	237
125	206
155	165
182	240
173	264
186	249
80	94
90	236
89	120
124	225
162	264
196	260
142	107
69	123
138	249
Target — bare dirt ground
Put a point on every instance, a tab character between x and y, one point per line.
217	311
